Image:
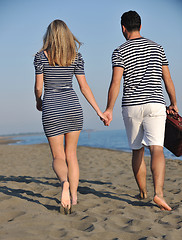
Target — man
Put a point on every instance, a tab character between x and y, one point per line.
142	63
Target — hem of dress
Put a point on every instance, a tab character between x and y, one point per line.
63	133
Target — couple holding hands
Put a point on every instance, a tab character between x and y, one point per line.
143	64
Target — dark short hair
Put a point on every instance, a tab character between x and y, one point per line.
131	20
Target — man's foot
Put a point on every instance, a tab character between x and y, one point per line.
162	203
65	196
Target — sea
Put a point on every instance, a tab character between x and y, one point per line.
110	139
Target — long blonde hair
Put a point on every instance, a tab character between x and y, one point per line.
60	44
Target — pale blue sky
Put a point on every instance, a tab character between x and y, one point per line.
96	23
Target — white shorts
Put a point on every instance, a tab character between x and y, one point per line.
145	124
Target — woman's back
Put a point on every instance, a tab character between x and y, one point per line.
57	77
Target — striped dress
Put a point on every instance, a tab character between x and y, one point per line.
61	110
142	60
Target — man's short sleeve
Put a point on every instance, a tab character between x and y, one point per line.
164	58
117	60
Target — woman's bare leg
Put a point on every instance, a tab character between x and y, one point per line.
71	140
60	167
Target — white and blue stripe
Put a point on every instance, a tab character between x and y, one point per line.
61	112
142	60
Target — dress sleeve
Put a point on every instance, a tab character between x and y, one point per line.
79	68
38	64
117	60
164	58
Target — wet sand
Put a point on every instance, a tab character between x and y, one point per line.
107	209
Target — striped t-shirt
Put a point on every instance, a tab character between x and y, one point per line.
142	60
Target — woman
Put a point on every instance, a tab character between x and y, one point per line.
62	116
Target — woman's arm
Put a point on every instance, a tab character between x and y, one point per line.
38	90
86	91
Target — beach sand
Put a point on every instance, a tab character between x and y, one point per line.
107	209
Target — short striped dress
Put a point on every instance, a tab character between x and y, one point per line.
61	109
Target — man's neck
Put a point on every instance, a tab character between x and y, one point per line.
133	35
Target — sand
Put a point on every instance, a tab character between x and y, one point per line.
107	209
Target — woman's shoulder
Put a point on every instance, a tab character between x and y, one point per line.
79	54
37	56
79	57
41	57
40	54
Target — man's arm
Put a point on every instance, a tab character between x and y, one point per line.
113	92
169	85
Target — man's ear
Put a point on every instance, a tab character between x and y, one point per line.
123	29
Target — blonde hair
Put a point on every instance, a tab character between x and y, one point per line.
60	44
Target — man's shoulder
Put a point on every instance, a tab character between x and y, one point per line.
151	42
130	43
137	42
122	46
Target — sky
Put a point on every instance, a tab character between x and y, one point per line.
96	23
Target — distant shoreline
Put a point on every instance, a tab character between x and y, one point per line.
111	140
7	140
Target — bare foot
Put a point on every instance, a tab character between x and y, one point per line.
65	196
162	203
141	196
74	201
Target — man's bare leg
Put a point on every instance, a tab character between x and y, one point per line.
139	170
158	172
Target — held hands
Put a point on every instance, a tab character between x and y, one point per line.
106	117
108	114
102	116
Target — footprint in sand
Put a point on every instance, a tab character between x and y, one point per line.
84	224
10	216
